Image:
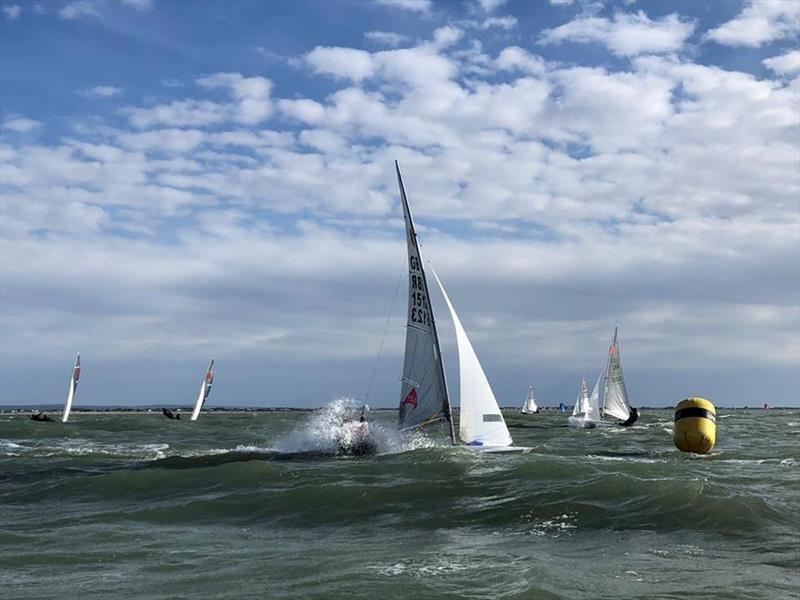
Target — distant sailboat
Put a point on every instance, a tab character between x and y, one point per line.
590	411
205	390
424	396
529	407
73	385
615	395
586	413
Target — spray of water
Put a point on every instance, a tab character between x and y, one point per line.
335	425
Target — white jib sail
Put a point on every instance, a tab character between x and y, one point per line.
481	422
73	385
424	398
205	390
593	408
615	398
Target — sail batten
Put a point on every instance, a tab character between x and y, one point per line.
424	398
481	422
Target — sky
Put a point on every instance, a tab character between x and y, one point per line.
181	180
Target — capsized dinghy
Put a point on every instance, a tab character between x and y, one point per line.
205	390
73	386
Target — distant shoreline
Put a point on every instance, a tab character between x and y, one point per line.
16	409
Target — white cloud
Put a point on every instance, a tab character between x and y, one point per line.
507	23
561	2
627	34
140	5
760	22
422	6
515	58
80	9
304	110
784	64
446	36
21	124
12	11
491	5
347	63
386	38
103	91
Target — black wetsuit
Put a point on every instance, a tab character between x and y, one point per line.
41	417
632	418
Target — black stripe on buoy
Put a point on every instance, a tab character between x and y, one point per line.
694	411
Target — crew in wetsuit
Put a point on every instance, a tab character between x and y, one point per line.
169	414
632	418
41	417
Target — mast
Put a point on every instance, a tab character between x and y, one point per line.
420	320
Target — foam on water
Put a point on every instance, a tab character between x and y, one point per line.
333	425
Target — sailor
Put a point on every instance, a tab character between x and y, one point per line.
632	418
169	414
40	416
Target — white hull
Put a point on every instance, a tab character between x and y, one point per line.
500	449
582	423
529	412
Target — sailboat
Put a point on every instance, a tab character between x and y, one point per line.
615	395
205	390
423	392
529	406
424	395
73	385
586	413
590	412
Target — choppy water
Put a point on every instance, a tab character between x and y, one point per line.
137	506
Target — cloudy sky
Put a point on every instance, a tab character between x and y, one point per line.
181	180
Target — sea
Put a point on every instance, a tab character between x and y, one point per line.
252	505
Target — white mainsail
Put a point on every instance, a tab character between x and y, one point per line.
615	396
529	407
481	422
73	385
593	409
205	390
423	394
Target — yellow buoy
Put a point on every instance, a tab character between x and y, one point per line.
695	426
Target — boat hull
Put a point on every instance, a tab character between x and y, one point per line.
500	449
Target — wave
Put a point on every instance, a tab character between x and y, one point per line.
329	428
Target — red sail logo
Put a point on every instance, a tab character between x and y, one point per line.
411	398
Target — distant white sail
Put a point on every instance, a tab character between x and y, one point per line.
481	422
73	385
529	406
593	410
615	397
423	394
205	390
582	401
